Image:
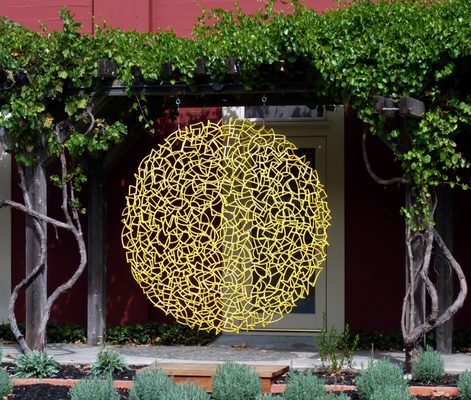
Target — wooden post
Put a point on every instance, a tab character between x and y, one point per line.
96	324
444	216
36	294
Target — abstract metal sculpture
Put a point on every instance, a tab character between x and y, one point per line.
225	228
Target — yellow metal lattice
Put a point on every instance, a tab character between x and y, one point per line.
225	227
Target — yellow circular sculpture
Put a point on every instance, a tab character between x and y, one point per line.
225	228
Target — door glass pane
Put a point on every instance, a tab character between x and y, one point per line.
308	304
270	280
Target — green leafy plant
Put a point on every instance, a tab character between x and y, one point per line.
335	396
181	334
35	364
6	385
108	362
384	341
236	382
462	339
391	392
464	385
94	389
336	351
185	391
148	333
154	333
6	334
150	384
379	374
66	334
301	386
428	366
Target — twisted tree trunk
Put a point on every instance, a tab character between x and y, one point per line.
37	224
417	317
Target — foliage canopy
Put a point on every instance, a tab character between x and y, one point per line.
389	48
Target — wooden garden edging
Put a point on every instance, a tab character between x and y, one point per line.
201	374
432	391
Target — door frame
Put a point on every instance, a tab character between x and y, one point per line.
332	129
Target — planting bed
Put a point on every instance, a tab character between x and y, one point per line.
45	391
60	392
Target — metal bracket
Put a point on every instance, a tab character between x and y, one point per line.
405	107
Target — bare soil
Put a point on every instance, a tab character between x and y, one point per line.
43	391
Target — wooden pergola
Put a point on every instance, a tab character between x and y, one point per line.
160	97
114	95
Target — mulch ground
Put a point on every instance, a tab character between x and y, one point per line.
43	391
78	371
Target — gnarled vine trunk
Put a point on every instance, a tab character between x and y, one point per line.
420	308
37	221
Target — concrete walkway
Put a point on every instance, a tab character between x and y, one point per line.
298	352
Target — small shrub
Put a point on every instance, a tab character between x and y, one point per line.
149	333
336	351
428	366
185	391
35	364
66	334
154	333
182	334
377	375
108	361
304	387
236	382
6	385
94	389
6	333
150	385
335	396
464	385
348	346
391	392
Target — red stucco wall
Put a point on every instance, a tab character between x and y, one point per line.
30	13
374	247
142	15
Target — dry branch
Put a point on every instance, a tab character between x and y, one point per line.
369	168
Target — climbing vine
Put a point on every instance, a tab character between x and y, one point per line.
365	48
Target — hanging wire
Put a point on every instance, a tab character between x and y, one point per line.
264	107
177	103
